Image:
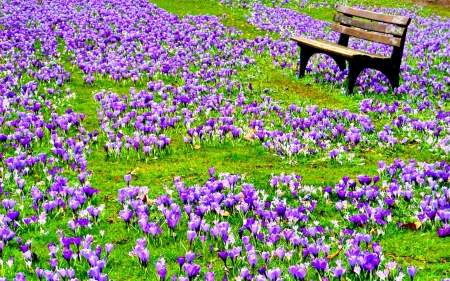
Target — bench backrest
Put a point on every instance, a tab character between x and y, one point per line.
391	30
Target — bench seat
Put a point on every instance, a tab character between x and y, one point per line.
335	48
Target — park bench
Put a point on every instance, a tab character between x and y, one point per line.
386	29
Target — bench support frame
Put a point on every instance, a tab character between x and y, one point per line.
390	66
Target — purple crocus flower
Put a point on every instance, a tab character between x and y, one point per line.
444	232
234	253
82	177
144	256
280	252
266	257
211	171
190	256
126	215
408	194
161	269
53	263
52	249
39	272
127	179
364	179
67	255
70	273
412	270
191	236
223	255
19	277
298	272
108	248
338	272
320	264
192	270
49	275
359	219
369	261
209	276
274	273
252	259
181	261
172	221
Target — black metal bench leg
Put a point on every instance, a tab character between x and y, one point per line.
340	62
393	77
354	68
305	55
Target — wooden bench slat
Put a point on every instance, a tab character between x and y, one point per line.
378	27
393	41
356	52
334	48
400	20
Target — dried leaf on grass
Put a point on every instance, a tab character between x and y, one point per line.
332	256
412	225
147	200
249	135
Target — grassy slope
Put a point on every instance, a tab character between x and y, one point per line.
423	250
242	158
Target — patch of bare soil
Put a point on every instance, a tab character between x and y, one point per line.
435	3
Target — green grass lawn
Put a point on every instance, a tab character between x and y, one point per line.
427	252
424	250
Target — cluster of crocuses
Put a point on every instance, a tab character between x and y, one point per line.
125	127
27	209
250	3
213	68
213	72
299	130
72	255
32	186
238	4
141	125
291	131
275	239
406	124
370	203
136	122
121	41
43	149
